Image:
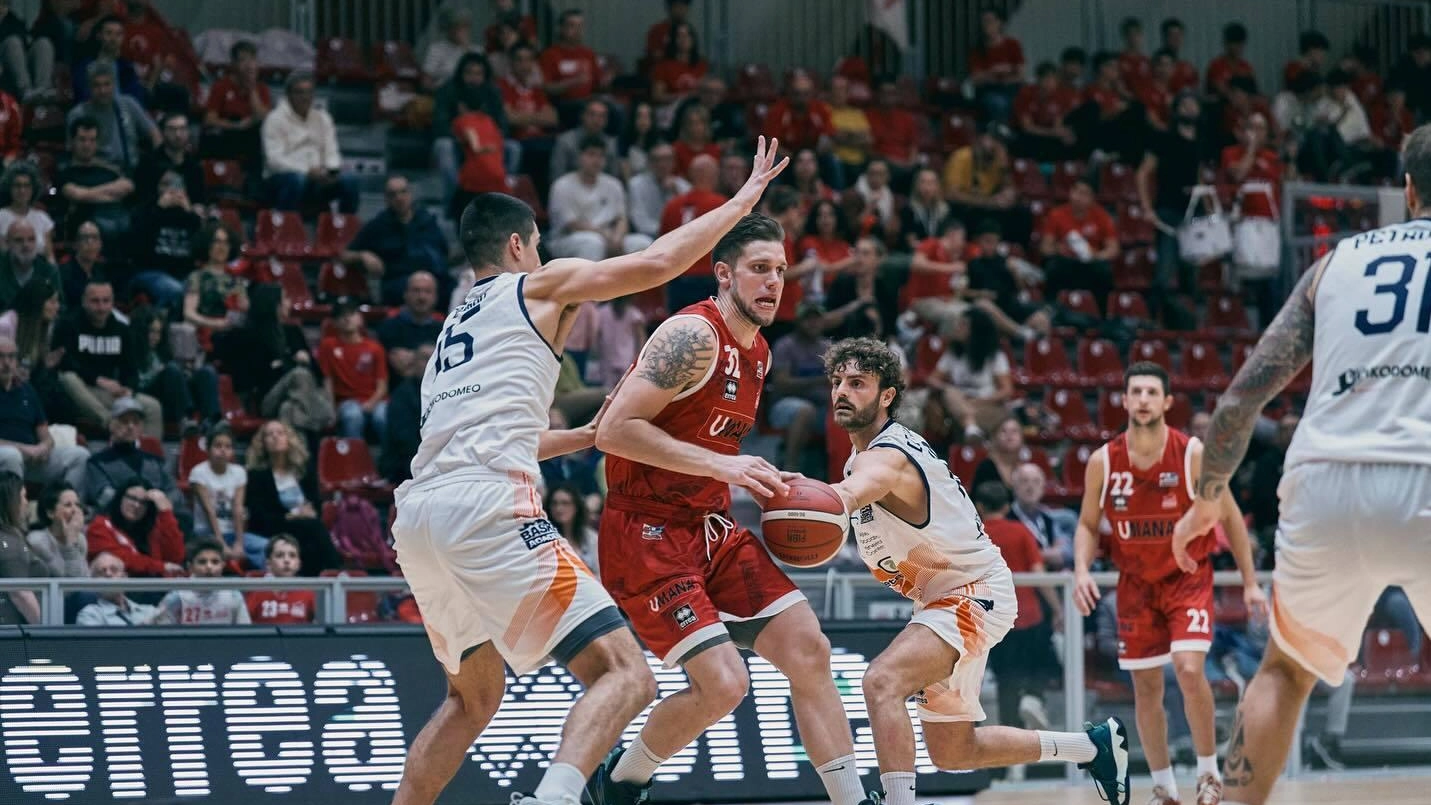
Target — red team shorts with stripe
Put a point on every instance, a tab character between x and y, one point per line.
688	580
1157	618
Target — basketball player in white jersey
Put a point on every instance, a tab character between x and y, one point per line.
919	534
496	583
1356	487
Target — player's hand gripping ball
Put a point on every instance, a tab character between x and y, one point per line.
808	526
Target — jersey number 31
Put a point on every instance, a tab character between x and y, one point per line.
1399	291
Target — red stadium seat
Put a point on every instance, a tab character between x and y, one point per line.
1064	175
223	178
964	459
191	454
1202	369
854	68
1240	352
1112	417
1227	314
1029	454
341	59
1074	421
335	232
755	82
1099	364
45	125
234	222
153	445
1180	412
926	353
394	59
289	274
280	234
1135	270
361	605
337	281
521	187
1155	351
240	420
1075	462
1045	363
1128	305
956	130
1135	226
345	465
1210	277
837	450
1028	180
1117	184
1079	302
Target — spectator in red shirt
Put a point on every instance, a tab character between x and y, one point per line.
1391	121
482	170
1364	81
1231	62
1312	47
284	605
828	241
1039	111
1184	73
355	372
699	280
935	270
1024	661
1253	159
1242	103
1158	92
531	118
678	12
12	127
677	76
1079	242
139	528
801	121
235	110
570	67
996	65
695	139
1134	67
1072	68
895	131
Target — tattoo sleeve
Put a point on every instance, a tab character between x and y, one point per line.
677	356
1280	354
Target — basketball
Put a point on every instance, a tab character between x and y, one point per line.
807	527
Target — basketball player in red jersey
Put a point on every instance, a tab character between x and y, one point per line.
1142	481
693	583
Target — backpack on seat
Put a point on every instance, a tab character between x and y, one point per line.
358	533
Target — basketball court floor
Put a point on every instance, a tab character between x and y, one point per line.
1397	787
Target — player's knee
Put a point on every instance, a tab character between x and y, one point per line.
1148	685
474	707
723	687
1287	672
637	680
881	681
811	652
1189	668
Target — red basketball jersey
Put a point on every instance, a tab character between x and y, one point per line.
1143	505
716	414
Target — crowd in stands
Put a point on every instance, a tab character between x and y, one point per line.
162	229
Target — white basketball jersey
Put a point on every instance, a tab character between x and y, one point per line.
924	561
488	386
1370	399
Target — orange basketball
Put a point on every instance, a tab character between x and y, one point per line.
807	527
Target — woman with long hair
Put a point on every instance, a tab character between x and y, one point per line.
214	298
283	493
31	324
140	529
19	606
159	376
695	138
58	538
1006	453
829	241
640	137
677	76
996	66
805	178
21	186
567	510
972	377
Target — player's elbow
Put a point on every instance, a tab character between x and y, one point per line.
610	435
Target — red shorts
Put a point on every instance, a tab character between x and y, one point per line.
1156	618
688	582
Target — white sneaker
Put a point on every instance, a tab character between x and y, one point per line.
1032	711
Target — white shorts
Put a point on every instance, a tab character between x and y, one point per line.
485	565
972	619
1346	533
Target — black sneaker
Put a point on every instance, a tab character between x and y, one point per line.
873	798
1109	768
602	790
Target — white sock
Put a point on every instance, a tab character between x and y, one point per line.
561	785
637	764
1070	747
1164	778
898	787
1208	765
841	777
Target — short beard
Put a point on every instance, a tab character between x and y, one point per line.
748	312
1151	424
860	418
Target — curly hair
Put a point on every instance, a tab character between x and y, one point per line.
869	355
297	450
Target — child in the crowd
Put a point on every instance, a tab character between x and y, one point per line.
203	607
218	486
282	606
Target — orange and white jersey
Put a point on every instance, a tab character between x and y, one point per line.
928	560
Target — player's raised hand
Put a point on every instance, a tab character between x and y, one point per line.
763	170
756	474
1085	592
1196	522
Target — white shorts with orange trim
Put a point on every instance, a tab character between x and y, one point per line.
485	564
972	619
1346	533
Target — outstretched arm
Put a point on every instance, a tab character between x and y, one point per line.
678	357
572	281
874	474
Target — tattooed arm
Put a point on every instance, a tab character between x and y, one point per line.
678	357
1280	354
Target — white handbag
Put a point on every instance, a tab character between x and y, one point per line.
1256	242
1204	238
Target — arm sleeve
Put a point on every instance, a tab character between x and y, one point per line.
275	153
332	155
